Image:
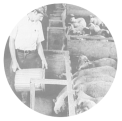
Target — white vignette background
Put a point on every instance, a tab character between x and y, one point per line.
110	108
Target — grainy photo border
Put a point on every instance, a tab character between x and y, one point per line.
109	108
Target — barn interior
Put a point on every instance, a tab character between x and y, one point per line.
57	41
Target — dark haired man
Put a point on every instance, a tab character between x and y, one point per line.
25	44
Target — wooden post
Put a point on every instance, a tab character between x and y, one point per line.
32	89
43	77
63	16
32	94
47	46
69	85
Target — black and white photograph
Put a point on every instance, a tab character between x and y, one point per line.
60	60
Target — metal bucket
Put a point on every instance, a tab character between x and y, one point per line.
23	78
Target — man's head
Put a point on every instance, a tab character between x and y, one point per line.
42	10
36	15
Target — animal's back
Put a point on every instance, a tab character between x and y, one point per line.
106	62
92	78
96	89
92	71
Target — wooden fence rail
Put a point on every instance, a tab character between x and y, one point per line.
90	37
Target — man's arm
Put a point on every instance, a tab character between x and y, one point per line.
15	64
40	51
39	45
41	54
12	49
12	43
12	38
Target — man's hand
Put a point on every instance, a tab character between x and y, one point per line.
15	66
44	64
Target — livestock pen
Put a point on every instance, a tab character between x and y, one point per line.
92	47
62	52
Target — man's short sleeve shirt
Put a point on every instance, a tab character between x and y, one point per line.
27	34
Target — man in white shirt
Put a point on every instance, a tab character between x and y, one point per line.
25	43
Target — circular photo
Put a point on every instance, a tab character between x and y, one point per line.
60	60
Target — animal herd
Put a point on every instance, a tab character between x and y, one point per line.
93	27
91	82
